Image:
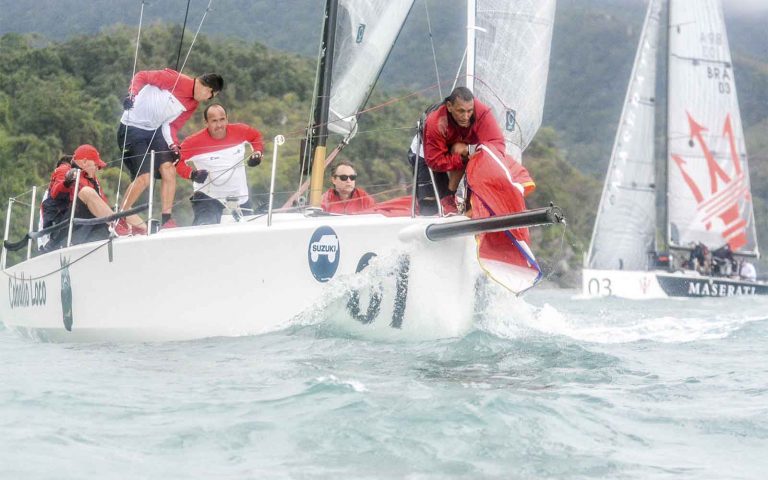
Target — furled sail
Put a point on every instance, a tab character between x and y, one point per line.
709	197
512	44
625	228
365	34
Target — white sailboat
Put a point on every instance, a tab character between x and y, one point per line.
400	277
708	200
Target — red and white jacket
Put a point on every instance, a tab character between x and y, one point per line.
441	132
162	99
223	158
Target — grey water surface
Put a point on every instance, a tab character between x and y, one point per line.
548	386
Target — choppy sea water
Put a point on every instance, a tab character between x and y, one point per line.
550	386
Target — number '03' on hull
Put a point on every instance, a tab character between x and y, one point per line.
662	284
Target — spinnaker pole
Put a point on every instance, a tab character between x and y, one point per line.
322	103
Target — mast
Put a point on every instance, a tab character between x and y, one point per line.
471	12
665	162
323	96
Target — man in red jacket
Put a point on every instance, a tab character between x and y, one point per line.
344	197
217	153
54	210
158	104
91	201
453	131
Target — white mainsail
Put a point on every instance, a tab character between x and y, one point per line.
709	197
625	227
365	34
512	45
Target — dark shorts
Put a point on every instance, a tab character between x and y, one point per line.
425	191
208	210
138	145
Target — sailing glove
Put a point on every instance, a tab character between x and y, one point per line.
69	178
255	159
175	152
128	102
199	176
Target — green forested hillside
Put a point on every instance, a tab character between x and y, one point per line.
58	89
593	48
55	96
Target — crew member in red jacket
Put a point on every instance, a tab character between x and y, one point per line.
344	197
217	153
453	131
158	104
54	210
91	201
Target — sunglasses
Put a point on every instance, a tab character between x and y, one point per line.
344	178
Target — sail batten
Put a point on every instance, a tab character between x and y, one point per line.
625	227
708	176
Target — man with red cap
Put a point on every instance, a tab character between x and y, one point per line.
54	210
91	201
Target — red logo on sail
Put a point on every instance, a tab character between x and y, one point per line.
725	191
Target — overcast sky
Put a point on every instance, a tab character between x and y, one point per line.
742	6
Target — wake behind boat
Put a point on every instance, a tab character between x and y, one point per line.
258	273
708	201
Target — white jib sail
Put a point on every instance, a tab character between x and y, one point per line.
709	197
365	34
625	228
512	45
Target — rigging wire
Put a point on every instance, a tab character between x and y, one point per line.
561	252
305	158
194	39
434	55
458	72
181	41
125	138
186	57
66	265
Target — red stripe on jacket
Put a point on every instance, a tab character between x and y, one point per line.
183	90
203	142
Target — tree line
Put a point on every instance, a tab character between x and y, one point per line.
55	96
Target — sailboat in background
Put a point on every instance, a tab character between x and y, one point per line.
708	199
257	274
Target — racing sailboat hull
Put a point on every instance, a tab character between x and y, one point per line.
248	278
662	284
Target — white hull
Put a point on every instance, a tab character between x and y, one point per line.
247	278
662	284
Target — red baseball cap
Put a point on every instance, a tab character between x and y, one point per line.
88	152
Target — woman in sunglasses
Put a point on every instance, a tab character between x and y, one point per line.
344	197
